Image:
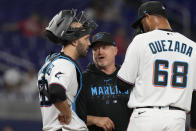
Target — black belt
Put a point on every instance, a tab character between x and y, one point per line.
162	107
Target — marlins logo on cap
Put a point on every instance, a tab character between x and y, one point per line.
103	37
99	36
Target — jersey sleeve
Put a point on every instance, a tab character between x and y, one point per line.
129	69
62	73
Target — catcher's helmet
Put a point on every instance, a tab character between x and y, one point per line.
60	31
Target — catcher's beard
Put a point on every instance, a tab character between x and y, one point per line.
81	49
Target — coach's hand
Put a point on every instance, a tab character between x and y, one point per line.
104	122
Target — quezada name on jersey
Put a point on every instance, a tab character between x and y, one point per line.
169	45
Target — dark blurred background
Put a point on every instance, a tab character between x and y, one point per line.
23	47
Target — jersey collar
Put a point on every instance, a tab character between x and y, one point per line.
62	54
166	30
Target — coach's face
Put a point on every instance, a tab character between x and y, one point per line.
104	55
82	45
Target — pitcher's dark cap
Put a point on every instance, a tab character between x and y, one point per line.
152	8
104	37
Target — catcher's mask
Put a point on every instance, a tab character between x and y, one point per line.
59	29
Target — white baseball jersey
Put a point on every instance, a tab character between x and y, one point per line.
63	72
162	65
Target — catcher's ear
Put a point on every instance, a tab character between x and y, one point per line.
74	42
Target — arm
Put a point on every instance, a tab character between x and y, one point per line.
57	95
59	84
129	70
104	122
65	112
